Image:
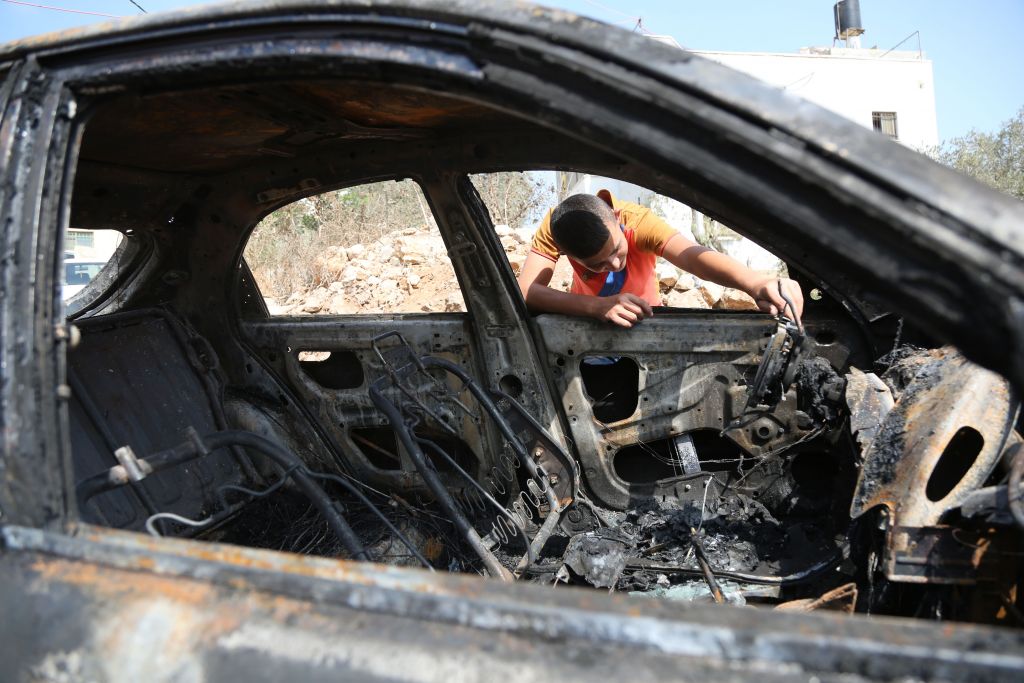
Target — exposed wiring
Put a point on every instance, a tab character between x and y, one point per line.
151	528
64	9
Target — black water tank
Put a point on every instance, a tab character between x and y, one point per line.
847	15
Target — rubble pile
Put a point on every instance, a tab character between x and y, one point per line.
409	271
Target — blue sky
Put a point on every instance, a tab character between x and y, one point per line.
976	47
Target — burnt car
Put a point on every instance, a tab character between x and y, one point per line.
196	489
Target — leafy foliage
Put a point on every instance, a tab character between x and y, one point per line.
285	251
996	159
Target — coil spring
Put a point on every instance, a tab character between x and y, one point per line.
498	482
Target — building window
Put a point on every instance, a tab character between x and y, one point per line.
885	122
80	238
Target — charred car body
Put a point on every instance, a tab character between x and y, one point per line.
171	462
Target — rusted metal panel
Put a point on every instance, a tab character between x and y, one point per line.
948	395
938	444
127	601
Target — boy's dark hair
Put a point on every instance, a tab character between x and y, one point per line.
578	225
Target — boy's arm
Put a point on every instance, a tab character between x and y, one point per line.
535	274
709	264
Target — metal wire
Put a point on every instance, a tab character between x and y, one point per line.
151	528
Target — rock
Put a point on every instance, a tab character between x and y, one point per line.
413	259
419	245
693	298
453	303
352	274
735	300
341	305
387	285
409	231
509	243
385	252
335	287
413	279
395	261
712	292
356	250
316	300
502	230
685	282
523	235
516	261
667	275
372	281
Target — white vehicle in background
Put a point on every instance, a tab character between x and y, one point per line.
78	272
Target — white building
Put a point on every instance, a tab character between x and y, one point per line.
91	244
891	92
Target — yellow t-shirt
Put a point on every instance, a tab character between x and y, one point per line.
646	236
651	232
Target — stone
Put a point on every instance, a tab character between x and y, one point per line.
413	279
509	243
386	285
685	282
453	303
315	301
502	230
352	274
342	306
692	298
523	235
667	275
356	250
712	292
736	300
516	261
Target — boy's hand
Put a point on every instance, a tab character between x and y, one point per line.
766	293
624	310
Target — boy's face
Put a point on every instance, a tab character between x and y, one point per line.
611	257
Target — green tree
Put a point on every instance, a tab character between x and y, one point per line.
996	159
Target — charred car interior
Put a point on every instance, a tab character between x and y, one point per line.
864	458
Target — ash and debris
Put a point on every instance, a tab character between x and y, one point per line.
738	533
906	364
599	557
820	389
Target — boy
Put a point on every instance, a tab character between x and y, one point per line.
613	247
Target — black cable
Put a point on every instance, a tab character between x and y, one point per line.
434	483
286	460
1014	490
139	6
482	491
348	486
198	446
